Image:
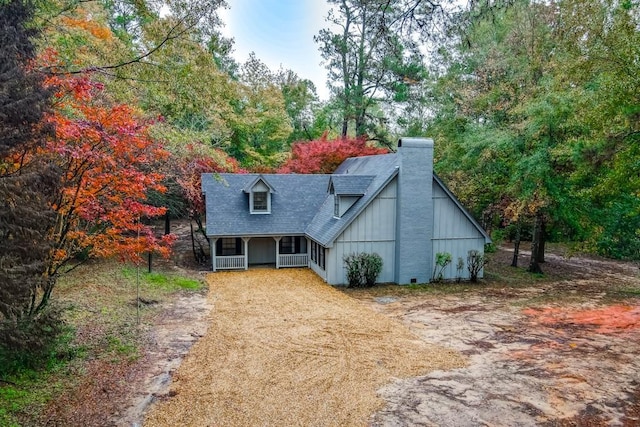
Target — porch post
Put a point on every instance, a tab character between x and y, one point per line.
308	252
246	252
213	242
277	239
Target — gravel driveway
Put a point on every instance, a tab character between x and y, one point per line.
283	348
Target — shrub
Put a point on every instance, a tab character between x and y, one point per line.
371	265
475	262
363	269
29	342
459	268
490	248
443	259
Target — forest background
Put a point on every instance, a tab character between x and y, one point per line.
110	110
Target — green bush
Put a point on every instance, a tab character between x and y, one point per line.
490	248
459	268
352	264
371	268
33	342
475	262
443	259
363	269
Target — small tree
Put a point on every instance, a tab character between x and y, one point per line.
196	159
459	268
443	259
475	263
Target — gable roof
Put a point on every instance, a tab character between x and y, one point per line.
247	188
350	185
325	228
293	206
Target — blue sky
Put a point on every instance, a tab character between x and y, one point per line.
280	32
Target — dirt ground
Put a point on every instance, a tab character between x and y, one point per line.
559	350
283	348
562	353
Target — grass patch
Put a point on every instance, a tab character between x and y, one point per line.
26	391
626	293
29	394
163	280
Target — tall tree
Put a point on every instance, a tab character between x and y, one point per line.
537	109
509	116
260	124
300	102
601	69
25	183
369	62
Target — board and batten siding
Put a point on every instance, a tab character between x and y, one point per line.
373	231
453	233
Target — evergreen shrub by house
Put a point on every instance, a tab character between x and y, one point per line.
363	269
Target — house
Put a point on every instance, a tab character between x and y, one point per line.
390	204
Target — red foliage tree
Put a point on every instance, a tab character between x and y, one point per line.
106	158
324	156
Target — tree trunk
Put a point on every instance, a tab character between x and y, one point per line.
534	267
516	245
193	241
149	259
361	127
167	223
543	239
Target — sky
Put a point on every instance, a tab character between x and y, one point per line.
280	32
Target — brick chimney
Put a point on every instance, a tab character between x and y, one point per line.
414	218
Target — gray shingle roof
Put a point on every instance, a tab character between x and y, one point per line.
301	204
350	185
293	205
250	184
325	228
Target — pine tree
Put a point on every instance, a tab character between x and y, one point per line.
25	184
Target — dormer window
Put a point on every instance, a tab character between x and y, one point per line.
260	201
260	193
346	191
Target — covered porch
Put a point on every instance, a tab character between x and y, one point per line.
238	253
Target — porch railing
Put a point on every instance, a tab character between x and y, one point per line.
294	260
229	262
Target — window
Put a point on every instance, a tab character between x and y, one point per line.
260	196
314	252
318	255
288	245
228	246
260	201
321	257
293	245
336	206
